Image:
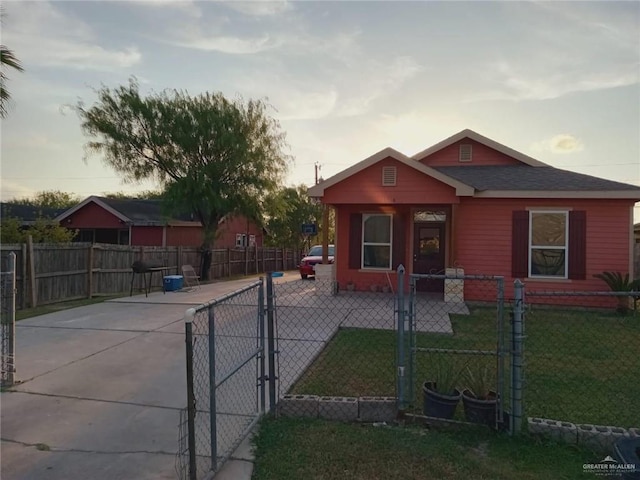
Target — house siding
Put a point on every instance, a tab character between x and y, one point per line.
231	226
481	155
483	244
147	236
365	187
93	216
184	236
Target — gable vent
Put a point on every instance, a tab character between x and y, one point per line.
388	176
465	153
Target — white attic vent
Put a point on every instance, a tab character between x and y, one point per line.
388	176
465	153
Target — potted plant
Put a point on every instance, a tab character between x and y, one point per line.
479	398
619	283
441	395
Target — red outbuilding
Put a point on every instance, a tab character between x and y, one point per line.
143	222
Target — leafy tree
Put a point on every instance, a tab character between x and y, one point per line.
10	231
48	199
289	208
7	59
144	195
42	231
212	156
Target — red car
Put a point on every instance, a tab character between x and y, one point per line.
308	263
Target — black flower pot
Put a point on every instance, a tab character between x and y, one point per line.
437	404
480	411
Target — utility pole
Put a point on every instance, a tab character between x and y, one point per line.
317	168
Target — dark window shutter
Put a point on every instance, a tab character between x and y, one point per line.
520	244
398	240
578	245
355	240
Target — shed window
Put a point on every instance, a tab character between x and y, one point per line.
388	176
376	241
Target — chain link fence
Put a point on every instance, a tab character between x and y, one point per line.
440	348
225	369
335	351
8	320
367	356
582	366
457	346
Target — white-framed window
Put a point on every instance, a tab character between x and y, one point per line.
548	244
252	240
376	241
239	241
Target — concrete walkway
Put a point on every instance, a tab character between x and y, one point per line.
100	391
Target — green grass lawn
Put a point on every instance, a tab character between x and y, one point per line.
315	449
580	366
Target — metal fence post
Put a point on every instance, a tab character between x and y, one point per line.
271	342
191	401
517	358
400	338
213	425
11	307
410	394
261	317
501	352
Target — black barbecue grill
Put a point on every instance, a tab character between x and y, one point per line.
147	268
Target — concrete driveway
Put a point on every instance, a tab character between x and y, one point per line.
101	389
102	386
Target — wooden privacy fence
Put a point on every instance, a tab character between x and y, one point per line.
50	273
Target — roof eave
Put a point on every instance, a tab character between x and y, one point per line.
98	202
462	189
595	194
483	140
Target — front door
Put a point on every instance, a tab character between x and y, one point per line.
428	254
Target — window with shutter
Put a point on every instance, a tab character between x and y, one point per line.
376	241
549	244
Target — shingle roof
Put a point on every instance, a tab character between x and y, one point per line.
141	211
29	213
525	177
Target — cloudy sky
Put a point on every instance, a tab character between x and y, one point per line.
559	81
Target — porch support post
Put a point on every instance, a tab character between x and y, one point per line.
452	235
325	234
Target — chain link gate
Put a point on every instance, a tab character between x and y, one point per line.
8	319
225	356
462	344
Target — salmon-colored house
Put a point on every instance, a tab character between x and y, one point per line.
472	203
142	222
